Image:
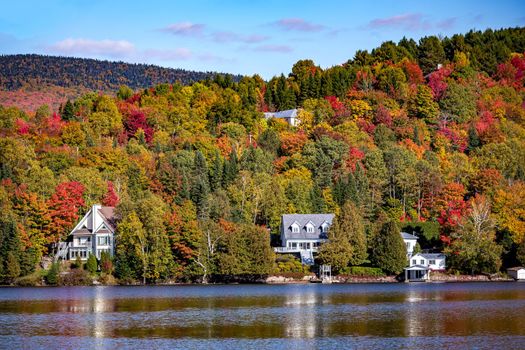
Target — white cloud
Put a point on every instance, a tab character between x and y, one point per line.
113	48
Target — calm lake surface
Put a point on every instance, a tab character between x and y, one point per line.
312	316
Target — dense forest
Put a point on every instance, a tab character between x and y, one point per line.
427	137
18	71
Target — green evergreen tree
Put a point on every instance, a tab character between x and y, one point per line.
53	274
12	267
92	264
68	112
387	249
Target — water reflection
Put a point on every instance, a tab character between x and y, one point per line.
305	316
300	318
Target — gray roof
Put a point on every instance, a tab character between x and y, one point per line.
289	113
408	236
302	219
515	268
430	255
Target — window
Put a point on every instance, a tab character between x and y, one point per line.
414	262
432	262
295	228
103	240
408	245
422	262
310	229
293	245
83	240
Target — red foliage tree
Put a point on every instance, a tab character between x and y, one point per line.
22	127
437	81
111	197
412	71
135	121
64	206
54	124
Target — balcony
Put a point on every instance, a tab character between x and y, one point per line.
288	250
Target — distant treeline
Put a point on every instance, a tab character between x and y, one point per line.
17	71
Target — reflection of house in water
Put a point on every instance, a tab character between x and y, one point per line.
300	320
418	321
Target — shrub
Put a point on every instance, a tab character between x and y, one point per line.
32	280
365	271
76	277
52	275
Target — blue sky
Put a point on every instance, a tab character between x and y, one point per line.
245	37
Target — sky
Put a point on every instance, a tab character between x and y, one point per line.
240	37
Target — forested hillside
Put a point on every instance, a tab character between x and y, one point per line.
386	141
17	71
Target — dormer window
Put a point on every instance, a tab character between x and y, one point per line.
309	228
295	228
324	227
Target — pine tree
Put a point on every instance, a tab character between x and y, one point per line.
388	250
68	112
92	264
12	267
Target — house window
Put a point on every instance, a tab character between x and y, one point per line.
309	229
293	245
83	240
414	262
103	240
295	229
422	262
408	245
432	262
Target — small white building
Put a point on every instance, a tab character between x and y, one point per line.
421	264
303	234
94	234
518	273
289	115
410	243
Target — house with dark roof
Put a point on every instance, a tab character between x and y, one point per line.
94	234
303	234
289	115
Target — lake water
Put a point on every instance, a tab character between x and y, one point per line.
311	316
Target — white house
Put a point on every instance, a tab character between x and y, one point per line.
518	273
410	243
421	264
289	115
94	234
303	234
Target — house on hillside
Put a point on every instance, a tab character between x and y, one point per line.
410	243
421	264
303	234
289	115
94	234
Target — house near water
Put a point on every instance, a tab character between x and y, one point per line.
94	234
303	234
518	273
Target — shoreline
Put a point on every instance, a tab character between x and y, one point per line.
283	280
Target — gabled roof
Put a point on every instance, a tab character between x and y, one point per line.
408	236
108	214
430	255
302	219
289	113
89	224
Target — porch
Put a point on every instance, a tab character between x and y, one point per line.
417	273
